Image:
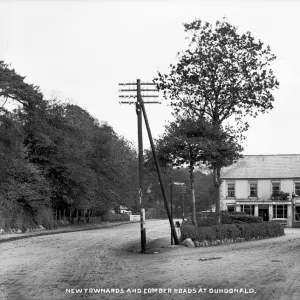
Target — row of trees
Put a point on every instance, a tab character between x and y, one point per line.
56	155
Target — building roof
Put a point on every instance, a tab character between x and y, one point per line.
264	166
123	207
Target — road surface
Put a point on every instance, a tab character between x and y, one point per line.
97	265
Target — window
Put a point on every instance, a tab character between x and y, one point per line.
280	211
248	209
297	213
253	189
230	208
275	188
231	189
297	188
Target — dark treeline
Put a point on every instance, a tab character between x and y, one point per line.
203	191
55	157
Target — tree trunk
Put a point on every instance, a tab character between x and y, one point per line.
194	221
217	183
84	216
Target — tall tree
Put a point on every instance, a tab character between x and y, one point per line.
223	77
23	188
64	151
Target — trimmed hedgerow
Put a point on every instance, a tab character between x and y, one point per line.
246	231
226	231
245	219
208	219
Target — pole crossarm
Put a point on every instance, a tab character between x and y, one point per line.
134	102
134	83
137	91
142	90
144	96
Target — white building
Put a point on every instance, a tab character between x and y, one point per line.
264	185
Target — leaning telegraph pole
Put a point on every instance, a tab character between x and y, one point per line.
139	87
128	90
173	231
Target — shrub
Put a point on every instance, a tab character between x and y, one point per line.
238	217
243	218
149	214
208	219
229	231
44	217
226	231
197	234
115	217
205	220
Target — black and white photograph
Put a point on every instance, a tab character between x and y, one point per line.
149	150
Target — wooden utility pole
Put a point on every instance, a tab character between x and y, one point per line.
140	109
137	89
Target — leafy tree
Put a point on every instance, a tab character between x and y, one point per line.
85	161
223	77
179	173
179	150
195	142
23	188
14	88
57	153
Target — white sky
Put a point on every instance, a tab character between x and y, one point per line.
83	49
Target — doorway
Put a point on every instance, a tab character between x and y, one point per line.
264	214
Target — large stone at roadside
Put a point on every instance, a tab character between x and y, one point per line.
188	243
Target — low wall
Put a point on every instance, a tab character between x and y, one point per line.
134	217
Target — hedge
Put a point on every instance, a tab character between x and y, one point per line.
115	217
208	219
233	219
219	232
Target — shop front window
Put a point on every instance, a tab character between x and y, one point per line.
280	211
230	208
248	209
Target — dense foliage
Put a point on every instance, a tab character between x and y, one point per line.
55	155
115	217
207	219
203	188
246	231
194	142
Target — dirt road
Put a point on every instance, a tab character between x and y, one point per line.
58	266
